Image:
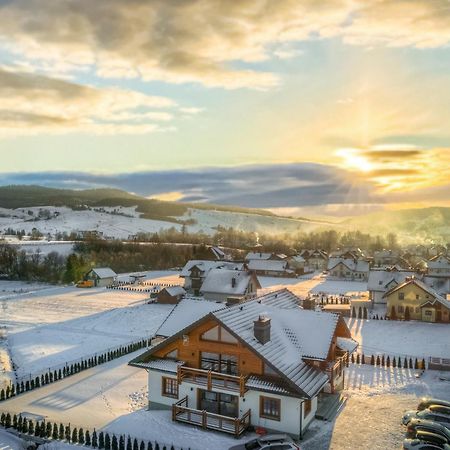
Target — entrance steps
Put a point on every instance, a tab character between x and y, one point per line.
329	406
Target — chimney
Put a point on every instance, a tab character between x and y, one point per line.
261	329
233	282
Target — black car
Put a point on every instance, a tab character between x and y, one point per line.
420	425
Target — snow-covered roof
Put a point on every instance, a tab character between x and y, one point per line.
269	264
295	335
186	312
423	286
356	265
164	365
206	266
439	262
175	290
220	281
380	279
218	253
104	272
298	259
347	344
282	298
258	256
265	385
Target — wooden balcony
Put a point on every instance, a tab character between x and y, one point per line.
212	379
210	421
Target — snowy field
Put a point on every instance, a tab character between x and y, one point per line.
391	337
54	325
130	222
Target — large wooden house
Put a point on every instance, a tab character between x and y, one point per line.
262	363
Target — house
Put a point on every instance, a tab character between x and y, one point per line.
101	276
227	285
315	259
382	280
298	264
439	266
348	269
170	295
271	267
195	272
254	364
386	258
414	300
260	256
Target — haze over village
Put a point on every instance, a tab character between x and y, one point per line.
224	225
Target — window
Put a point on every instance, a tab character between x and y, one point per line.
307	406
427	312
218	334
417	309
172	355
417	296
169	387
218	362
400	309
401	296
269	408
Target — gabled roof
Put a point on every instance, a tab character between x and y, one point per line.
174	290
296	334
206	266
258	255
220	281
268	264
357	265
104	272
418	283
379	279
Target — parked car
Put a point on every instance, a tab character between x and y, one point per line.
417	444
427	414
420	425
425	403
268	442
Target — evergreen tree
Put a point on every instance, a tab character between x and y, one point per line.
405	363
19	423
94	439
129	444
114	444
135	444
67	434
101	440
81	436
2	394
378	360
410	363
75	435
372	360
48	430
121	443
8	420
394	362
423	366
55	431
14	422
3	419
142	445
61	432
149	446
25	426
416	364
31	427
87	439
388	362
107	442
383	361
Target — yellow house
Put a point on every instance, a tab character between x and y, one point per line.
414	300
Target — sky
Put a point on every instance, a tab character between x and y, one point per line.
336	107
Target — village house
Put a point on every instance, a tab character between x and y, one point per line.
315	259
101	276
263	363
414	300
228	285
439	266
260	256
195	272
271	267
348	269
382	280
170	295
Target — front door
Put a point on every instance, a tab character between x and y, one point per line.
218	403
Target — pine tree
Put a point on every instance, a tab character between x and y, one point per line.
405	363
423	366
357	358
2	394
388	362
399	362
135	444
14	422
94	439
378	360
114	444
383	361
37	429
142	445
149	446
31	427
107	442
363	359
101	440
416	364
394	362
8	420
3	419
410	363
55	431
87	439
81	436
67	434
372	360
75	435
61	432
129	444
19	423
48	430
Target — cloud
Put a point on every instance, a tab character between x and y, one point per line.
32	103
202	40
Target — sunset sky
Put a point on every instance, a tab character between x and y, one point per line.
330	108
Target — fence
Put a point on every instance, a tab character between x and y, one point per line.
61	371
44	431
394	361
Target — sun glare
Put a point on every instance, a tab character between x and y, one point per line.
353	160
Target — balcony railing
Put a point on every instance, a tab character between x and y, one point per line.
210	421
212	379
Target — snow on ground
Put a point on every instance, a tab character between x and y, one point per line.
44	247
377	399
392	337
55	325
315	283
10	442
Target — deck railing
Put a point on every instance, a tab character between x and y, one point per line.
210	421
212	379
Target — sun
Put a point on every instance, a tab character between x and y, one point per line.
353	160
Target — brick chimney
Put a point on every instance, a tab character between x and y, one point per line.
261	329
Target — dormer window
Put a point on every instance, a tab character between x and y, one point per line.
401	296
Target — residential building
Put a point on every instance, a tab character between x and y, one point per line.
348	269
414	300
227	285
271	267
251	256
439	266
260	363
195	272
101	276
315	259
170	295
382	280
